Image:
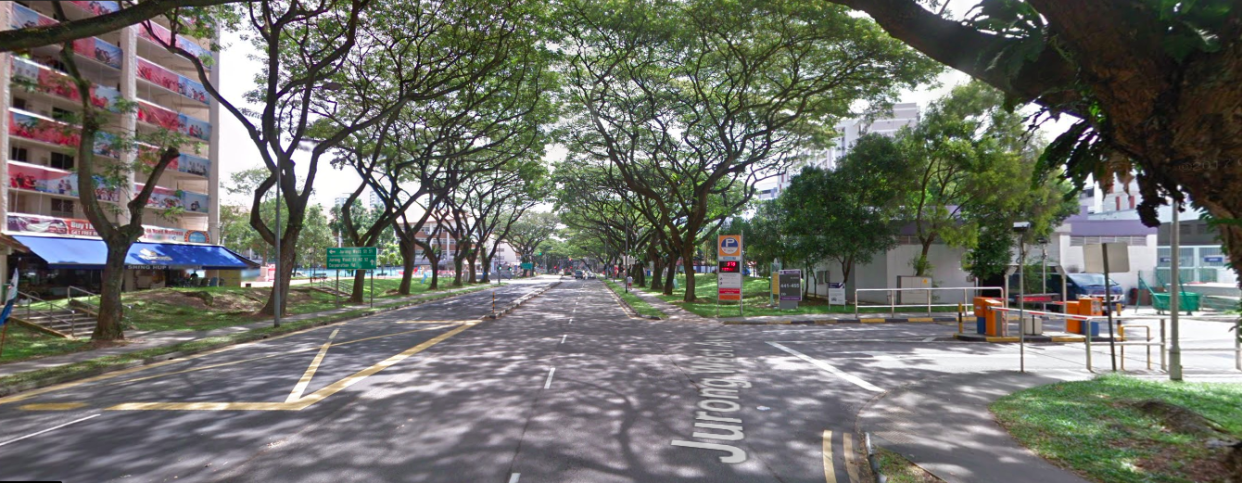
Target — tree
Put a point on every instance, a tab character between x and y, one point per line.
966	152
130	12
528	232
146	155
694	102
853	212
1153	84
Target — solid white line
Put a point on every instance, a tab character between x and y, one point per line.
513	478
563	338
827	368
53	428
929	339
548	383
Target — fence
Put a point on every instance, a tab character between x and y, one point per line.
890	294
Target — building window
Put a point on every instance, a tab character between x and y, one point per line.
62	208
61	114
19	103
19	154
17	203
1133	202
1118	200
62	161
1134	241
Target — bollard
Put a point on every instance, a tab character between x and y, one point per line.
1164	366
959	318
493	303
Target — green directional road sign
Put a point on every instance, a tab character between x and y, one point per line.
352	258
528	266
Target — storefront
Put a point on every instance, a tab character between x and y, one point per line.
48	265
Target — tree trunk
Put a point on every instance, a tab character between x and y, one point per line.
470	260
921	265
636	271
487	269
657	279
286	270
408	253
360	285
110	308
435	272
457	271
671	268
687	261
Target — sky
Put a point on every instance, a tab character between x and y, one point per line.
238	153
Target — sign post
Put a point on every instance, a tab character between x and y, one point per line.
729	271
353	258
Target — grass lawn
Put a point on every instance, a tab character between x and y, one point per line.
197	309
756	298
900	470
1121	429
639	305
22	343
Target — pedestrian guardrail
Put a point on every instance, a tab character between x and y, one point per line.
890	294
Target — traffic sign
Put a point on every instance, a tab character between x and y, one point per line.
527	266
729	247
352	258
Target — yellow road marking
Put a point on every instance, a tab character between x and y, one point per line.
301	403
300	387
871	321
830	474
298	351
847	440
920	319
65	406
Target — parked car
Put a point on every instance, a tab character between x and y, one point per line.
578	274
590	275
1086	285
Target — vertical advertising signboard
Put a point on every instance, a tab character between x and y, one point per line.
790	286
729	271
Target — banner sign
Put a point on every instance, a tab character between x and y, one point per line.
98	7
352	258
59	182
39	128
166	198
21	223
790	284
158	75
48	81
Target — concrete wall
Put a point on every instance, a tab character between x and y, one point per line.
1142	261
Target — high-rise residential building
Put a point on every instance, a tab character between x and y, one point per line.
143	90
849	131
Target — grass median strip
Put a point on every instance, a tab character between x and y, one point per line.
1122	429
16	382
638	304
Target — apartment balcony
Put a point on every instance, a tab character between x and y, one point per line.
53	134
168	198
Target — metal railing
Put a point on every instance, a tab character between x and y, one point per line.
1133	323
85	294
47	312
891	293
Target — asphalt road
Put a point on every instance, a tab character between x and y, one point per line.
565	389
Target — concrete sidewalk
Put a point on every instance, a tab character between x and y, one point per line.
945	427
138	341
676	312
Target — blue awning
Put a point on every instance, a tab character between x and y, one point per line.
80	253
